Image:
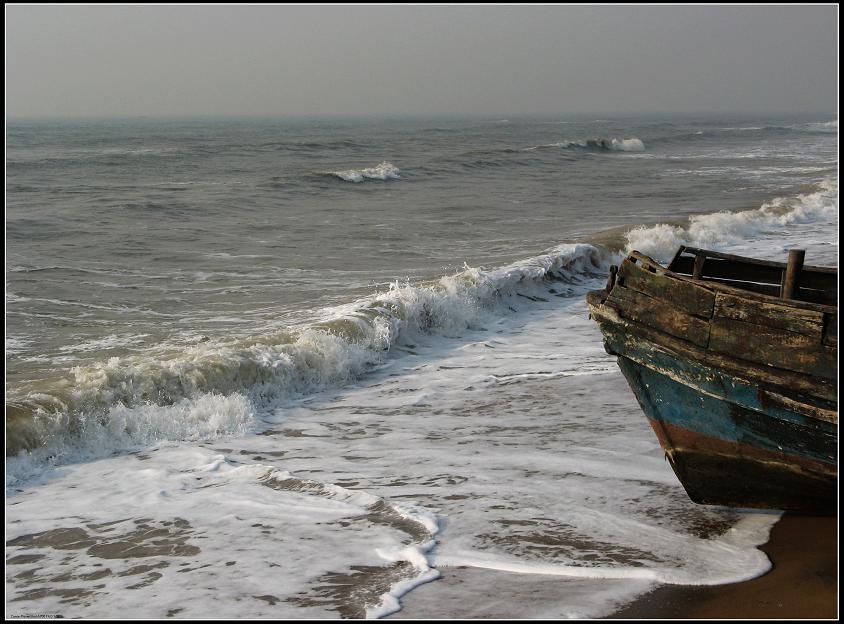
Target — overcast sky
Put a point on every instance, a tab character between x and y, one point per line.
314	60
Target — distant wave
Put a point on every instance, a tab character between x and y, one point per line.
384	171
744	132
478	160
101	155
631	144
824	126
314	146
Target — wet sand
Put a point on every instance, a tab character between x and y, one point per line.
802	584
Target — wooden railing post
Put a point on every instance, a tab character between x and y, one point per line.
792	273
697	273
676	257
611	277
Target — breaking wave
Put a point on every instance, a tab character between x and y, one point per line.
384	171
632	144
215	389
724	228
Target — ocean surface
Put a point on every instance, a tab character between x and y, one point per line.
266	368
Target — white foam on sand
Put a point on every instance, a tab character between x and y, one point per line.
213	537
727	558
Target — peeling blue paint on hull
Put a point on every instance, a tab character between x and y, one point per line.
725	453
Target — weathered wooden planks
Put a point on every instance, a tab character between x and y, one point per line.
796	385
686	296
807	322
773	347
793	336
765	332
659	314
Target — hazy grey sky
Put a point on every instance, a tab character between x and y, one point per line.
295	60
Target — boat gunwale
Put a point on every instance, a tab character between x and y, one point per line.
732	290
747	259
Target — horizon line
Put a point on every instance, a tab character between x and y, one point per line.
500	116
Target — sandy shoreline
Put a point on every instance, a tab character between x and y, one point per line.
802	584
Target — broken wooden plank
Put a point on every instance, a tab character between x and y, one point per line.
676	257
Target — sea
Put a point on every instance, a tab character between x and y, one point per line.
343	367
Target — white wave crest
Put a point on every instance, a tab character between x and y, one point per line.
213	389
627	145
71	438
384	171
720	229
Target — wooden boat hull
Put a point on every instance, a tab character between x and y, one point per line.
736	433
723	452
